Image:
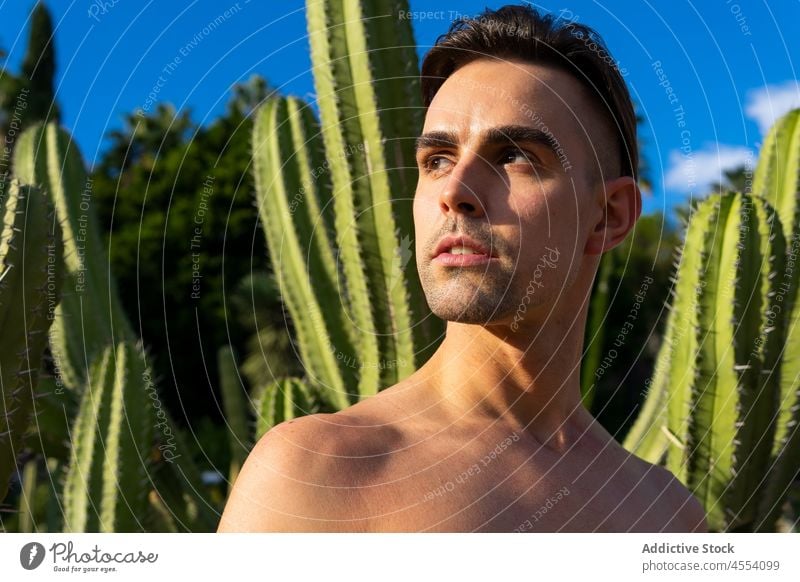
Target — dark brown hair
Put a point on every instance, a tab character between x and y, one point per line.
521	33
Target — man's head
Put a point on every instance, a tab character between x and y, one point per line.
529	149
519	33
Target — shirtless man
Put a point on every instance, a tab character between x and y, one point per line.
528	161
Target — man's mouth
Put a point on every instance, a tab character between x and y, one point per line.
464	251
461	251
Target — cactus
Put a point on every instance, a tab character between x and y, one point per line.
358	309
113	481
715	374
90	315
233	402
105	488
90	321
777	175
281	400
302	253
777	180
31	275
729	419
90	330
366	78
735	394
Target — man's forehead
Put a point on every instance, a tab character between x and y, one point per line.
488	93
507	83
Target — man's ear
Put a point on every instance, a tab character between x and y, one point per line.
621	204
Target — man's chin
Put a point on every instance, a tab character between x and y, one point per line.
473	313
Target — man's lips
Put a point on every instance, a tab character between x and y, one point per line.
448	242
481	254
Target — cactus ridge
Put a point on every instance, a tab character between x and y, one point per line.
106	482
683	370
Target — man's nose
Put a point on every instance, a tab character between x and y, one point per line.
463	190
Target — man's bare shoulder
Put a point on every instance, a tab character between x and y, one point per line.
679	510
302	475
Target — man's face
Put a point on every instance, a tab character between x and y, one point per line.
505	158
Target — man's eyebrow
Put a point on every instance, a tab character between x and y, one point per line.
436	139
513	134
508	134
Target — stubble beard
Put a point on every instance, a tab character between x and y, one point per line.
469	295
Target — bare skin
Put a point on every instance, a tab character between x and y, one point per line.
489	435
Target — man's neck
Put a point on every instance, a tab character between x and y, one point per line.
528	379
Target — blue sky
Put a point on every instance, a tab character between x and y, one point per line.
709	77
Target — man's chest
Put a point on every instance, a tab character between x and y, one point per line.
508	492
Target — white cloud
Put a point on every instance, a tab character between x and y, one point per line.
694	173
766	104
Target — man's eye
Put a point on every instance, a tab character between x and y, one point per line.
435	163
516	156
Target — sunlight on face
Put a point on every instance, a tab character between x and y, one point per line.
502	160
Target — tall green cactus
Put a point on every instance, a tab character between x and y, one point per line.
777	180
715	375
31	275
724	402
90	315
359	313
286	158
735	395
105	488
366	78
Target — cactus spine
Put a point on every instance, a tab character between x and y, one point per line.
31	275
